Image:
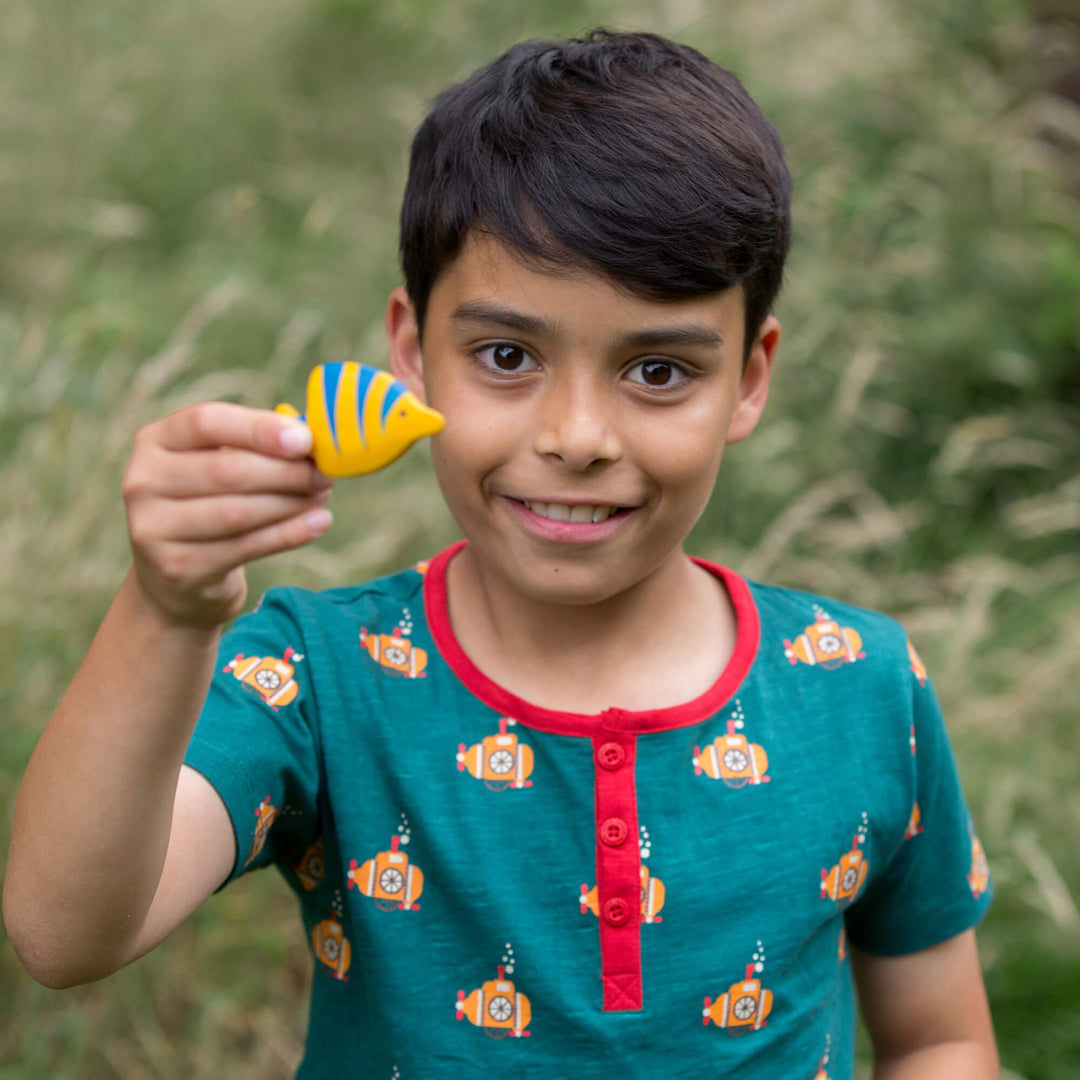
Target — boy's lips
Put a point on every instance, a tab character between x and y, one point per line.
568	521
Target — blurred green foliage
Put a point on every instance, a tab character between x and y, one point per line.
200	200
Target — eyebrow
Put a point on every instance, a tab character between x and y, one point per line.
685	334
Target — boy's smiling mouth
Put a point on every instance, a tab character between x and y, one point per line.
580	513
568	522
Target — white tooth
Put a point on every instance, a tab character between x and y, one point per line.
601	513
538	508
582	514
558	512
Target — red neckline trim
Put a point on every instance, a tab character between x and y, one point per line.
747	637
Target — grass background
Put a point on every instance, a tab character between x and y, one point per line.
199	200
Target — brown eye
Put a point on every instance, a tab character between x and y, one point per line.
659	374
656	373
508	357
505	358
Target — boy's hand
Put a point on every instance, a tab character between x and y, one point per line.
208	489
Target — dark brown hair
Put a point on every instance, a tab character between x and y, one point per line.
624	154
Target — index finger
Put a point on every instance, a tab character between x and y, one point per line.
220	423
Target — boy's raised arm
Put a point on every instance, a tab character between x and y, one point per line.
113	842
927	1013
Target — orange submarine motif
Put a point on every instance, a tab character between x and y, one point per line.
742	1008
653	892
331	946
361	418
265	815
733	759
652	897
498	1007
845	879
268	676
389	879
979	878
825	644
311	869
918	668
499	760
395	652
914	825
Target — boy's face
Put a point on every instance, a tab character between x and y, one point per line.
566	398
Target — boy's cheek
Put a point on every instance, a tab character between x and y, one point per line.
682	453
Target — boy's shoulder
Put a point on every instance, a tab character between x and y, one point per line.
395	591
780	599
821	630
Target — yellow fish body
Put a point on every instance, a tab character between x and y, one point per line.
361	418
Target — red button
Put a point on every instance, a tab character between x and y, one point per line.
611	755
616	911
613	831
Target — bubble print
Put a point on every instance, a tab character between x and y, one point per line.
821	1073
403	830
405	626
738	717
759	958
645	845
508	959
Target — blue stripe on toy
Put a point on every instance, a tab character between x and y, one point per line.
392	394
331	376
363	390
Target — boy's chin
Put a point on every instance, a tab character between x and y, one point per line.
569	590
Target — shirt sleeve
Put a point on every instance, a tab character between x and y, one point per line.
256	739
937	883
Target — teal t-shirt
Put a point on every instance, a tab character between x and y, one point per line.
493	888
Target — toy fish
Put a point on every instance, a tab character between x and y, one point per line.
361	418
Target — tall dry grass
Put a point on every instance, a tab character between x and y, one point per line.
200	201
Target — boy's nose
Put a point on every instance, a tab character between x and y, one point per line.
576	425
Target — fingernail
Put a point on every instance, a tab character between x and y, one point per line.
318	521
295	438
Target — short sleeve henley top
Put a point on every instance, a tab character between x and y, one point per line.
493	888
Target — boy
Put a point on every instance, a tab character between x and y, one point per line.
564	782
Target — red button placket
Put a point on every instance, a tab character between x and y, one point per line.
618	870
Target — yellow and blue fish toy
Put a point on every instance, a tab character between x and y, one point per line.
361	418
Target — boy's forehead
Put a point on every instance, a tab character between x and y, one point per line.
488	282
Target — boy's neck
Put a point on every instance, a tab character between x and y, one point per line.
661	643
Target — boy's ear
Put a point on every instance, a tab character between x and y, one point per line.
754	382
406	361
